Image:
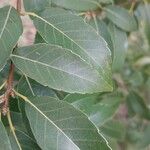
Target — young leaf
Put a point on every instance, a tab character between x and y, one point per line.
4	140
120	43
58	125
10	31
121	18
62	28
58	68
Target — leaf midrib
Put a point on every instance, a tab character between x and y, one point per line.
75	44
5	22
46	65
32	105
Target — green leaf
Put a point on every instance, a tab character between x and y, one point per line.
29	87
82	102
4	140
38	38
137	106
62	28
120	44
36	5
58	68
10	31
101	28
26	142
79	5
121	17
98	112
113	129
58	125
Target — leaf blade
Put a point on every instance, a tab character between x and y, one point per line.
58	68
71	32
10	31
67	123
4	140
121	18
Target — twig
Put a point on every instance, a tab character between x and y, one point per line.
9	92
18	6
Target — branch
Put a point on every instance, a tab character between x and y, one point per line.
9	91
18	6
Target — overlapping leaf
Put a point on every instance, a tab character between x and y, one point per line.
25	141
36	5
120	45
98	112
113	129
121	18
62	28
58	125
10	31
101	28
4	140
80	5
58	68
29	87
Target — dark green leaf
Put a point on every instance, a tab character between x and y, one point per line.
121	17
120	44
38	38
26	142
58	68
62	28
29	87
102	30
4	140
10	31
58	125
136	105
